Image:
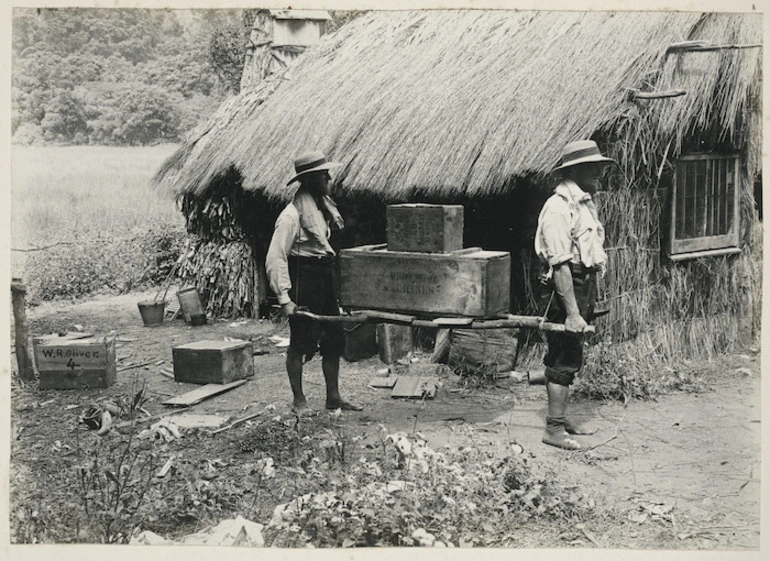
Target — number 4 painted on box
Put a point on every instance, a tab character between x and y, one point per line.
71	364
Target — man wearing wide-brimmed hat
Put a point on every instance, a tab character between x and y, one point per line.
569	240
301	267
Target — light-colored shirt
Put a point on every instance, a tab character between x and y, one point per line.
290	238
568	229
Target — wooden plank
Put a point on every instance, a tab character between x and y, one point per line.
373	247
199	394
237	422
173	308
383	381
441	346
465	251
138	420
190	421
415	387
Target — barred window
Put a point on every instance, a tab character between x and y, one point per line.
704	206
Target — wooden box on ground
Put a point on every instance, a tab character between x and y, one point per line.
213	362
68	362
473	283
394	341
424	228
360	341
483	351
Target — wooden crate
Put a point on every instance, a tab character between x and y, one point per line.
68	362
424	228
394	341
483	351
474	283
213	362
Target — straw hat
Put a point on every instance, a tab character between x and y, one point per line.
581	152
310	162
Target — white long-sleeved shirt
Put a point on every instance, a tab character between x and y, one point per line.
568	228
290	238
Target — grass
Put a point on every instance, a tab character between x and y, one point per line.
95	206
93	190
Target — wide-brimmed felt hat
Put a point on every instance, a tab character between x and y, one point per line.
581	152
310	162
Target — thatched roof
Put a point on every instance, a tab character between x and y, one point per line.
461	101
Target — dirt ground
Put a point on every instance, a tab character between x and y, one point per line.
682	472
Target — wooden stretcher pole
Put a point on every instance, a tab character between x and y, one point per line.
532	322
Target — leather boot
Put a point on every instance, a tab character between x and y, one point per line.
555	421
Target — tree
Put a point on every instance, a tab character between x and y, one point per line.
227	52
64	117
148	115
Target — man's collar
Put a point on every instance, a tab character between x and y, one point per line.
571	191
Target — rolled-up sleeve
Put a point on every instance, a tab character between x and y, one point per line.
553	232
277	259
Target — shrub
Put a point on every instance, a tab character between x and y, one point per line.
618	371
103	263
28	134
406	493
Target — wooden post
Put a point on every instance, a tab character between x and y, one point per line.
23	354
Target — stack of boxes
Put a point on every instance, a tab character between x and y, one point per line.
424	270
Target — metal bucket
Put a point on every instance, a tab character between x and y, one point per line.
198	319
190	302
536	377
152	312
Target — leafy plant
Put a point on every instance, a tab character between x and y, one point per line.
406	493
112	487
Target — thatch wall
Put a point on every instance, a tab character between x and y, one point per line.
473	108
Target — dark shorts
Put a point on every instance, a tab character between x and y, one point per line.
564	357
314	288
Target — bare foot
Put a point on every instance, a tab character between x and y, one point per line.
344	405
300	406
561	440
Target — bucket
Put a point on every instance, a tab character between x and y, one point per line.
152	312
360	341
198	319
190	302
536	377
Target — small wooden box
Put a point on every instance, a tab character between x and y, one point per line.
213	362
68	362
473	283
394	341
424	228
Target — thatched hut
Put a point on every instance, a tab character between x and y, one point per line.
473	107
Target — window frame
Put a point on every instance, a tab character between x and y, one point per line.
720	244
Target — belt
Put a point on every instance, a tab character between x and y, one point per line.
314	259
579	268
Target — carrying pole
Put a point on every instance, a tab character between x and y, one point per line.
508	321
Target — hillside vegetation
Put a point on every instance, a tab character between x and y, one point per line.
110	76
